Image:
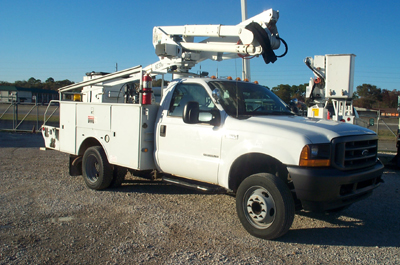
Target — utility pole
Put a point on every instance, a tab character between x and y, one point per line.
245	62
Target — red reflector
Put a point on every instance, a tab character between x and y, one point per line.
348	119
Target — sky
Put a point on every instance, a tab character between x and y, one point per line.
65	39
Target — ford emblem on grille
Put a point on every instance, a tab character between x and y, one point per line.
365	152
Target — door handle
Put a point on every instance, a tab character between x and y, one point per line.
163	130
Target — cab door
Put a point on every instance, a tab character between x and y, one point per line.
188	150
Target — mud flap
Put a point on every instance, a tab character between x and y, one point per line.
75	165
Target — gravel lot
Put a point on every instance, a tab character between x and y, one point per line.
48	217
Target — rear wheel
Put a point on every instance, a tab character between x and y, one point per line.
265	206
96	170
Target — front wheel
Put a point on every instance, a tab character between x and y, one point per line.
96	170
265	206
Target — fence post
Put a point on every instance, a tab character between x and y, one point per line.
15	114
377	124
37	115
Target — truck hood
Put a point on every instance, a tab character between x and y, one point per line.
293	127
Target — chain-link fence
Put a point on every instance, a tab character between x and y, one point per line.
384	127
26	116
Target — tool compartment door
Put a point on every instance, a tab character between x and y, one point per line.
123	146
131	141
67	130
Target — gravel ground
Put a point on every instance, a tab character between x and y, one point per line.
48	217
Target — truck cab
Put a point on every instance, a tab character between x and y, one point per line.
242	137
220	131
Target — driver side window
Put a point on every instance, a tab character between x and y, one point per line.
184	93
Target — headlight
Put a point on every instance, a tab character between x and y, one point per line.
315	155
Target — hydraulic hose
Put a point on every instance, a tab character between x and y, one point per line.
286	47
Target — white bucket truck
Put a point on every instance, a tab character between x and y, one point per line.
329	94
216	135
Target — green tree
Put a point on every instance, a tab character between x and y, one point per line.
283	91
37	83
369	96
286	92
5	83
389	98
32	81
22	83
62	83
298	92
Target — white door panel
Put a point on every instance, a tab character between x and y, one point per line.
191	151
188	150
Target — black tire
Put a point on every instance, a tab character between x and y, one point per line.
265	206
96	170
119	174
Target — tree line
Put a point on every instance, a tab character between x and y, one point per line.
371	97
51	84
32	82
365	96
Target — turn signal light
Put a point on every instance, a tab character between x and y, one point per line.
307	159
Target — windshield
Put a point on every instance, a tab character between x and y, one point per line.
248	99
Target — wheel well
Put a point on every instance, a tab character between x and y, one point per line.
89	142
253	163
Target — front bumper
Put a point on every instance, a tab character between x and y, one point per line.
321	189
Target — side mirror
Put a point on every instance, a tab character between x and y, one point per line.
193	115
191	112
216	95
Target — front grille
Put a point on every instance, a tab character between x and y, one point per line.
355	152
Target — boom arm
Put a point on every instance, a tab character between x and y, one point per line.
178	51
